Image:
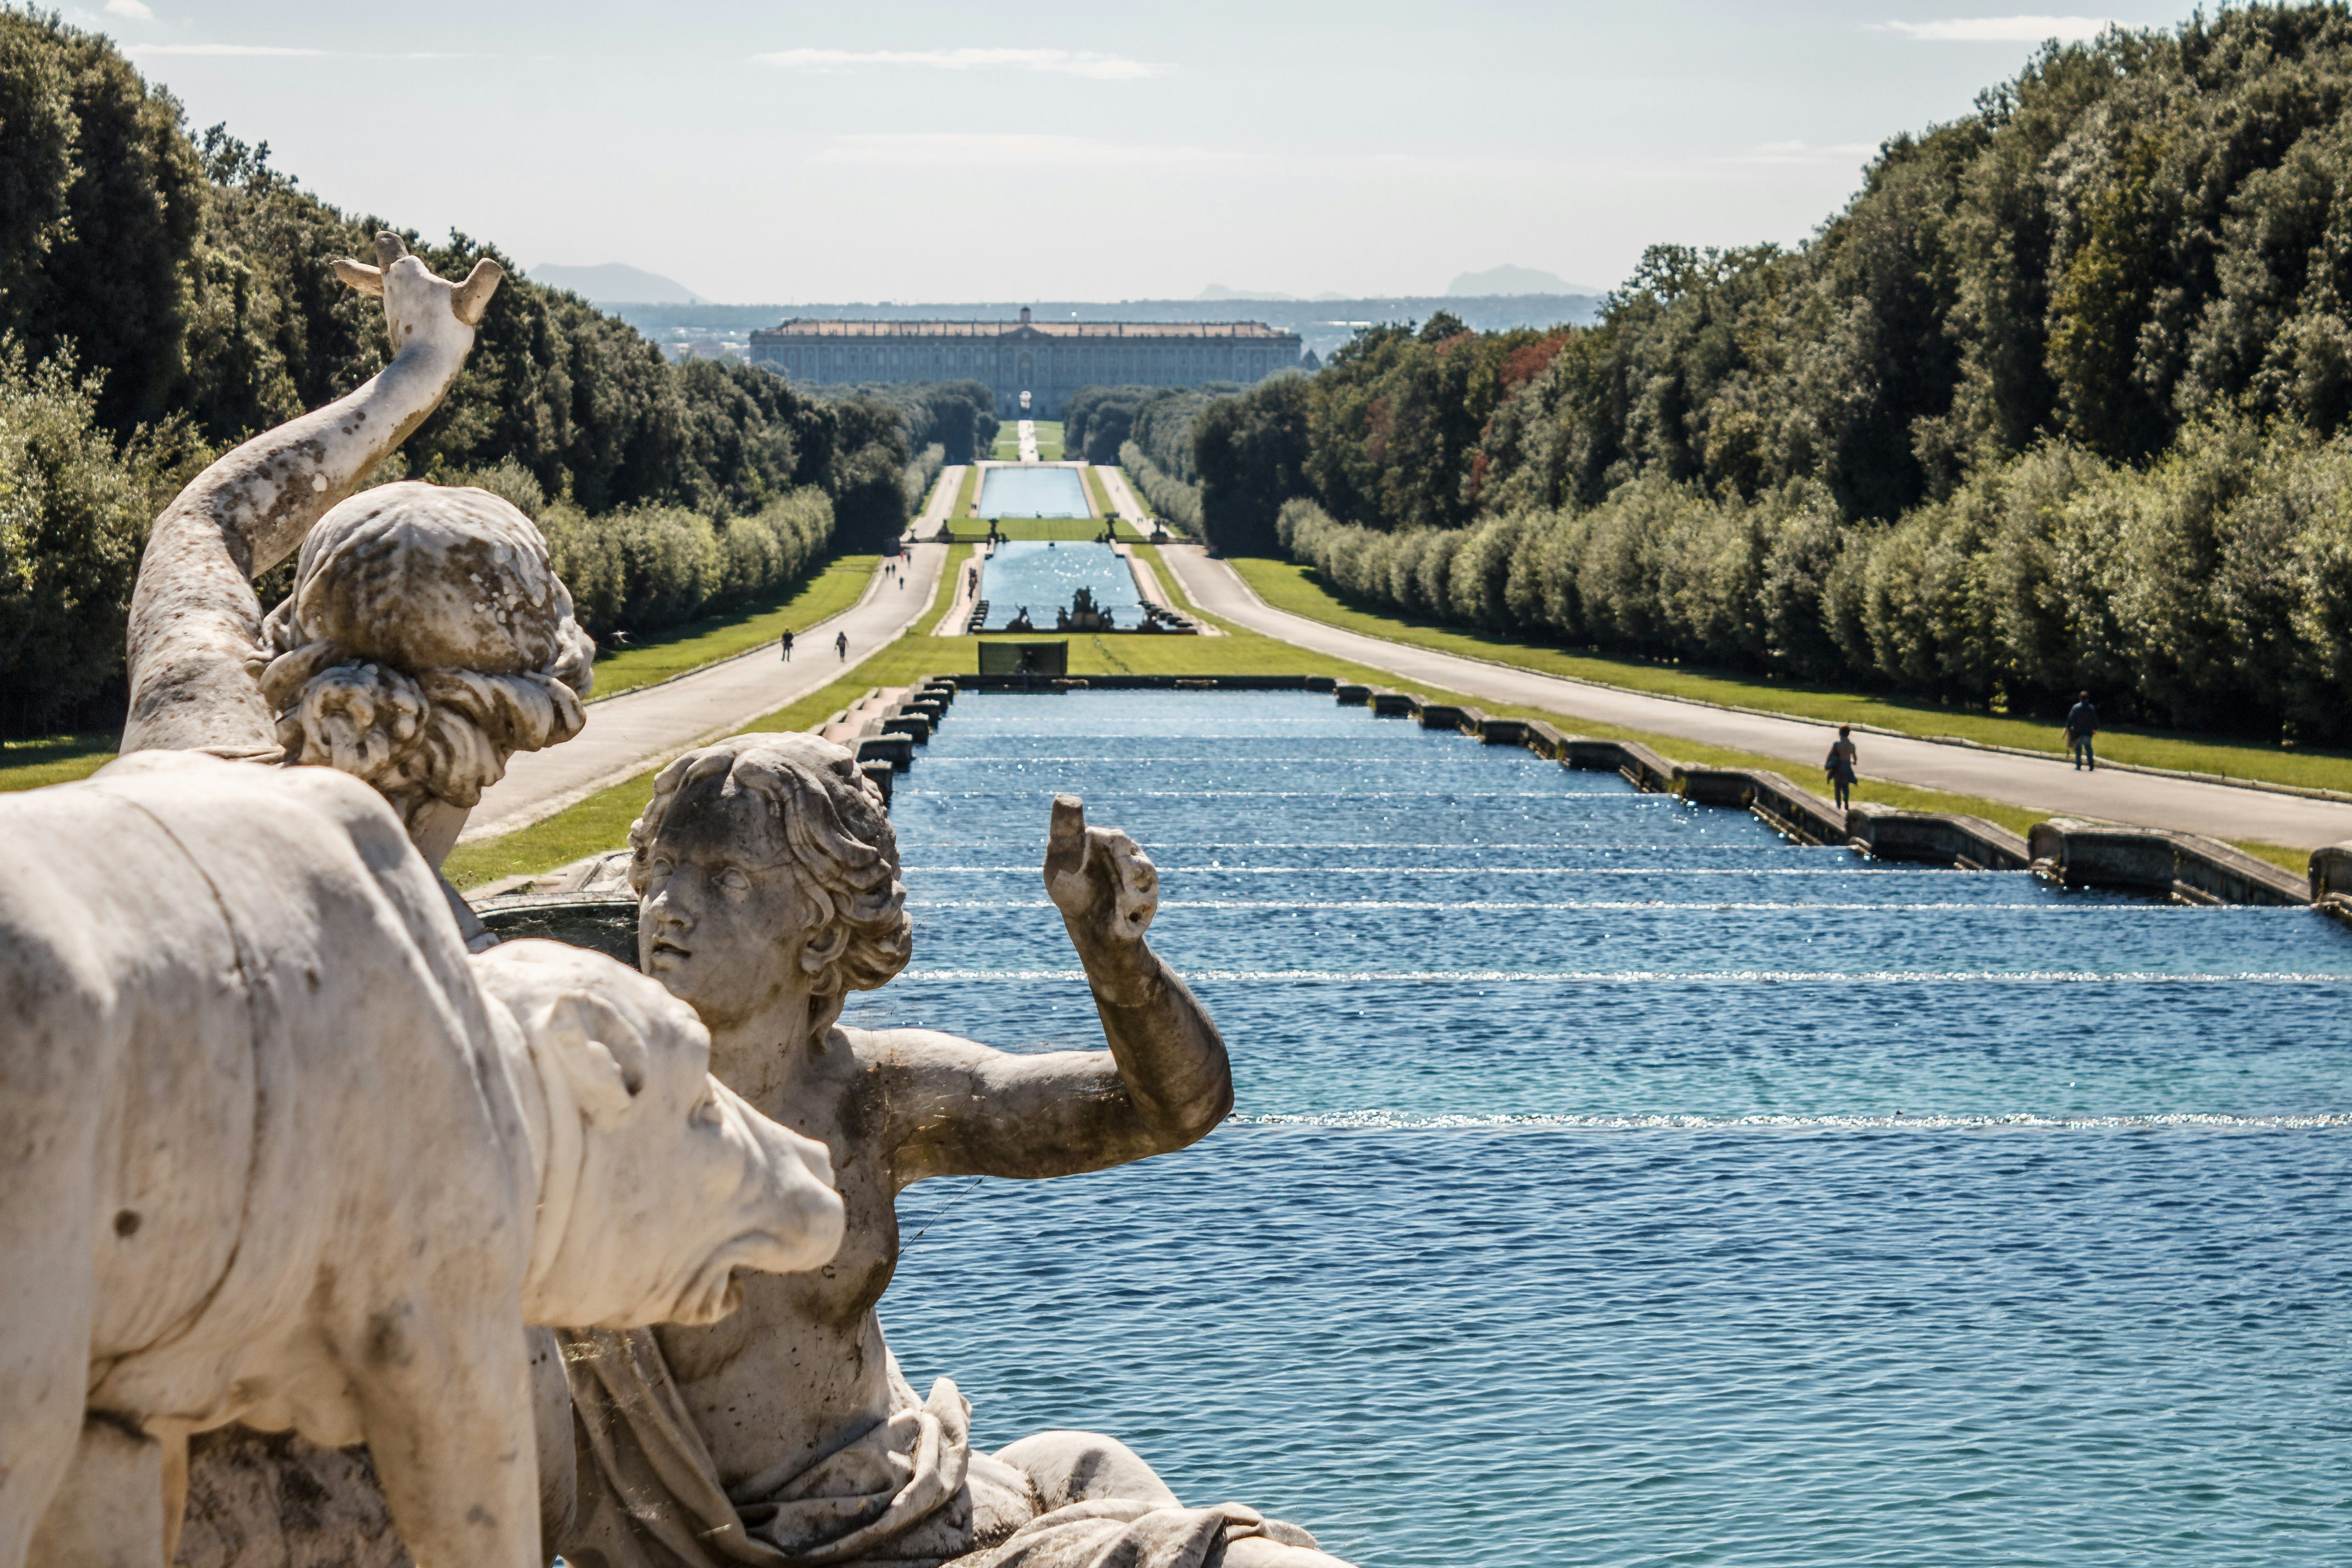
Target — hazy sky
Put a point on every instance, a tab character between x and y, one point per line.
894	149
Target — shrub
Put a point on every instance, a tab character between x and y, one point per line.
1170	499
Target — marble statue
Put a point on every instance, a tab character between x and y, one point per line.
768	879
426	639
277	1150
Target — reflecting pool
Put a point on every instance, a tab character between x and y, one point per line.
1045	575
1027	491
1611	1183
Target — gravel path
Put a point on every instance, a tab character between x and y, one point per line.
628	734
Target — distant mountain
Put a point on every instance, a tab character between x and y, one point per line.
1219	291
1508	279
615	284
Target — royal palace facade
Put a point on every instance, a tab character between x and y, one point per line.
1048	359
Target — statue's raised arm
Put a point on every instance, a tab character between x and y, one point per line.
195	623
1166	1082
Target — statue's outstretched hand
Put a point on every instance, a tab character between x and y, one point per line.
1103	883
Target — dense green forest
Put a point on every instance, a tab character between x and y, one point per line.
2059	400
957	417
163	296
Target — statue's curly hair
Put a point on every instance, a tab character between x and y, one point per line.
823	817
427	639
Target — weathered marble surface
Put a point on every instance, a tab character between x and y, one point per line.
768	883
279	1152
425	641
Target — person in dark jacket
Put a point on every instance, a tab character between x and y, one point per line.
2081	723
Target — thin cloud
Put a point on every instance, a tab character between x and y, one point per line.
2002	29
918	147
130	8
1060	62
219	49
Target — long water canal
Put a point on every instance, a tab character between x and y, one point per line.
1611	1183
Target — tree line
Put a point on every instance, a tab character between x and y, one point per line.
1148	431
957	417
2059	400
164	295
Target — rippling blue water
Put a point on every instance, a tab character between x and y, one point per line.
1028	491
1044	576
1614	1184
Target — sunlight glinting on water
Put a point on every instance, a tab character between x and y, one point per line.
1672	1192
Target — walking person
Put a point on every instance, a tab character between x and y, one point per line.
2081	723
840	645
1840	764
787	640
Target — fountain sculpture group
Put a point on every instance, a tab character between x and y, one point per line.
294	1149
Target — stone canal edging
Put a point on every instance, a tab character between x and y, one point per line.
2073	851
2182	866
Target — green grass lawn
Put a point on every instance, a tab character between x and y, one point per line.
1097	496
1049	441
54	759
831	589
959	557
968	496
1295	588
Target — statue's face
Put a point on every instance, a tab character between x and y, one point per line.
718	923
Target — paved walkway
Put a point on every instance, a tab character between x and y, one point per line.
942	501
629	733
2219	811
1027	436
1146	581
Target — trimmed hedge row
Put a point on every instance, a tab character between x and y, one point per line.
640	569
2212	589
1170	499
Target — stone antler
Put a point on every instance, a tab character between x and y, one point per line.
389	249
472	297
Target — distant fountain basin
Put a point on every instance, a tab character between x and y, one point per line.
1032	492
1045	577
